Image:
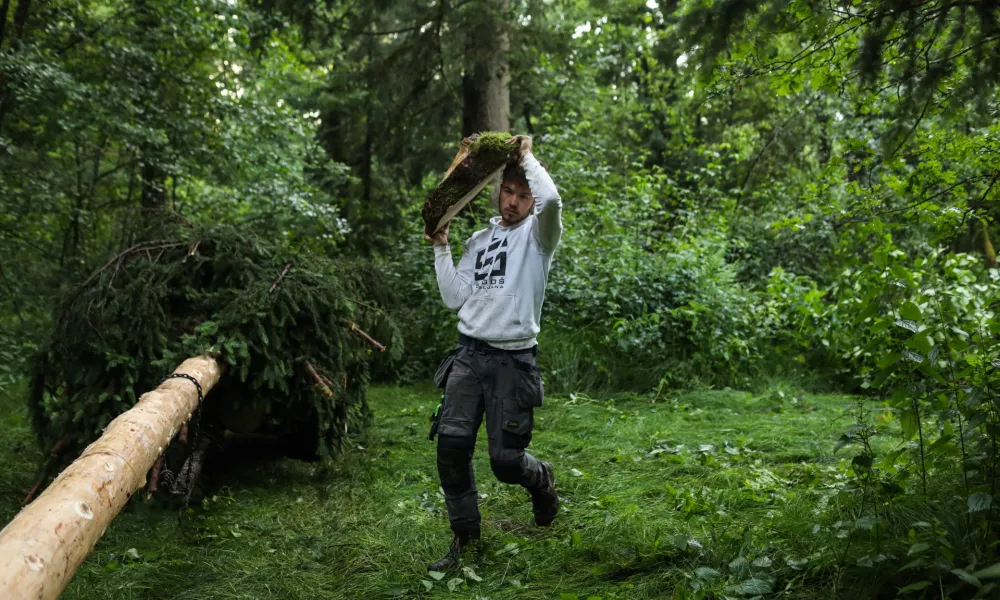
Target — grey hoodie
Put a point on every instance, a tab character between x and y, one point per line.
499	285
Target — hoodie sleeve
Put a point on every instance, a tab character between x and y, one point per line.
548	204
454	284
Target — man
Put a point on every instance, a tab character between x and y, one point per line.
497	290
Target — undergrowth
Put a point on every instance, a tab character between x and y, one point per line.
711	492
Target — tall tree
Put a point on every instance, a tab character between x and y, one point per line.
486	81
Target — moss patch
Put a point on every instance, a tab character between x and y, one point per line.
489	152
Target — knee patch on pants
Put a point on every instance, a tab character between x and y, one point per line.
454	462
455	442
507	471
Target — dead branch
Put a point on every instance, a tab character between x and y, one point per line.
319	380
197	462
280	277
154	245
354	328
54	453
154	476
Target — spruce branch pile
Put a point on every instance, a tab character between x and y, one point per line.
480	158
296	334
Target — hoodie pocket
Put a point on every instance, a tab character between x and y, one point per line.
492	317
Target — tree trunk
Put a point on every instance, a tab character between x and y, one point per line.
982	243
21	14
4	9
153	197
486	83
47	541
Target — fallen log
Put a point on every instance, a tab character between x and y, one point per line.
46	542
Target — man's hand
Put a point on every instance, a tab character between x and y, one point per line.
523	142
440	238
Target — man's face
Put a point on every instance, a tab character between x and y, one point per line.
516	202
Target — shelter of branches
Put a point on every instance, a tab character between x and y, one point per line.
296	337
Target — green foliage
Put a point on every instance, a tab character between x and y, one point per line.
697	493
263	311
753	192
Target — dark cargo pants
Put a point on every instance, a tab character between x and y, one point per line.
505	387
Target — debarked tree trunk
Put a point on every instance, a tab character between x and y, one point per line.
48	540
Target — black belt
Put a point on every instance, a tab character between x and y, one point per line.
481	346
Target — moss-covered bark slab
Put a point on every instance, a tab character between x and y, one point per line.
478	160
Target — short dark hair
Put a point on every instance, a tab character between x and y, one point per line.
514	172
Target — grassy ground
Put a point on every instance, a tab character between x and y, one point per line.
716	490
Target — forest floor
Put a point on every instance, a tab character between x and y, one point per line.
720	491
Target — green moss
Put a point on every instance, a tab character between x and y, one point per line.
492	142
489	152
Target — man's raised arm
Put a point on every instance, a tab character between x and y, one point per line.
548	204
454	284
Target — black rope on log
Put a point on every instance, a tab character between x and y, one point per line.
197	411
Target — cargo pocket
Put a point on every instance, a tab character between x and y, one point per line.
441	375
527	382
516	425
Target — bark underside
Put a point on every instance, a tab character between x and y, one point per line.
465	179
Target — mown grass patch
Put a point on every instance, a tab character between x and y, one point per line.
717	491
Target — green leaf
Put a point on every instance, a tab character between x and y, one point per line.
739	564
707	573
910	423
436	575
921	342
980	501
395	592
967	577
910	311
455	583
880	326
428	585
991	572
756	587
889	359
918	548
880	257
470	574
862	461
900	272
914	587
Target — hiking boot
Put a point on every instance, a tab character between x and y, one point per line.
450	560
544	500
